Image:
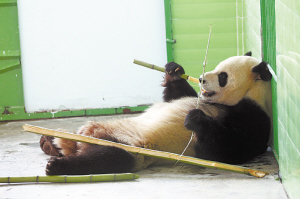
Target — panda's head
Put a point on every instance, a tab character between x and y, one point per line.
236	78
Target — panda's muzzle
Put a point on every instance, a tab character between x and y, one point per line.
206	93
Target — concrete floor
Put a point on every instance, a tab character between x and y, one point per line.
20	155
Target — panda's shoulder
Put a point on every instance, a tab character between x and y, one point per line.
247	103
250	109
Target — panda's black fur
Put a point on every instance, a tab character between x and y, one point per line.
226	133
175	86
95	159
237	137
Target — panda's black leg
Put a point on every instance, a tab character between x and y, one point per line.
95	160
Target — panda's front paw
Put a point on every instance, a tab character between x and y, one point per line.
193	119
173	71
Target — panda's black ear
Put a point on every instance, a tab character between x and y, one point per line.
263	71
248	54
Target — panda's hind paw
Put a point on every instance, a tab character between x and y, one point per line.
47	146
55	166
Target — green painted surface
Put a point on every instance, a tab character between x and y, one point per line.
269	54
190	27
18	113
11	89
169	33
252	26
288	92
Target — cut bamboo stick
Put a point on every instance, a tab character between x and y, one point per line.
148	152
71	178
158	68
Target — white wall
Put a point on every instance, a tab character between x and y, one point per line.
79	54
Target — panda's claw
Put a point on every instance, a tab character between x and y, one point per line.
174	68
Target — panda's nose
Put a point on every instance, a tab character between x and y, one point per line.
200	80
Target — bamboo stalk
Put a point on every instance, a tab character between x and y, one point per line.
71	178
158	68
203	72
148	152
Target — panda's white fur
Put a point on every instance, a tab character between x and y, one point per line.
161	127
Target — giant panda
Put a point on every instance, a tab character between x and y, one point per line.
231	125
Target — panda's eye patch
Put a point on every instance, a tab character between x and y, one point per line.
222	79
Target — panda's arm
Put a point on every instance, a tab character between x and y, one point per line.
175	86
198	122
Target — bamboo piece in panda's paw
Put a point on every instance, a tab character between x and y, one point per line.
158	68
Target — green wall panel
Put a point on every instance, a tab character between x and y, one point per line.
9	34
11	88
252	27
190	28
269	54
169	32
288	92
216	9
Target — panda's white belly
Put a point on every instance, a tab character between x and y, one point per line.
161	127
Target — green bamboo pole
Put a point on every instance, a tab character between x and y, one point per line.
158	68
148	152
71	178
